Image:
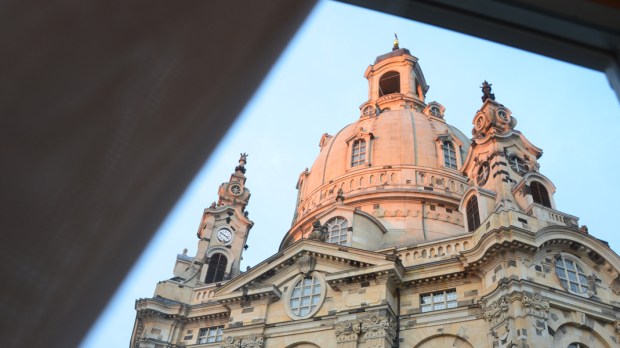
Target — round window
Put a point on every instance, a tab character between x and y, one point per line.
306	296
572	276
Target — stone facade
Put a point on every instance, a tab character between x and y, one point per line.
406	234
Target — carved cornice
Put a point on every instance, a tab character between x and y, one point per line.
270	292
249	341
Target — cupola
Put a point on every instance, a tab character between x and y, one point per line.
395	81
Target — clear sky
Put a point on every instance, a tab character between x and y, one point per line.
317	86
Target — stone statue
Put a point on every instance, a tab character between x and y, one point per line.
319	232
243	159
340	195
486	91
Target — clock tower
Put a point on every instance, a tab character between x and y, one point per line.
222	234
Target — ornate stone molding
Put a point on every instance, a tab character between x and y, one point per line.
531	305
348	331
535	305
379	327
250	341
366	329
497	311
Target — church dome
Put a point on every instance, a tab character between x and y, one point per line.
392	178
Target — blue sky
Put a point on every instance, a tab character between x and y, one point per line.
317	86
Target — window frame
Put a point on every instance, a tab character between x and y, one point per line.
470	215
446	302
335	225
365	136
581	276
439	148
380	83
449	154
219	268
217	337
312	308
359	158
537	196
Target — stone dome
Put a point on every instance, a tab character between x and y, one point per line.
390	179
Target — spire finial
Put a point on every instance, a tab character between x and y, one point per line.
395	43
243	159
486	91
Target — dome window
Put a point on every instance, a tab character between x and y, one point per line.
449	154
216	268
540	194
473	215
435	111
337	228
389	83
358	154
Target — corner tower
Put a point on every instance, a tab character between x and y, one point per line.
506	185
222	236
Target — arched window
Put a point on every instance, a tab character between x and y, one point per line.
571	275
473	215
449	155
337	228
358	154
389	83
216	268
540	194
435	111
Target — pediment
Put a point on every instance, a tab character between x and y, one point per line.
305	255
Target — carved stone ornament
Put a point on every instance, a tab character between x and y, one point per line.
617	329
306	264
250	341
319	232
379	327
497	311
348	331
535	305
366	329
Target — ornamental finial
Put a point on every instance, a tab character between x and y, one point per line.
395	43
243	159
486	91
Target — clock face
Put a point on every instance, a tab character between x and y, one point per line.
235	189
224	235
